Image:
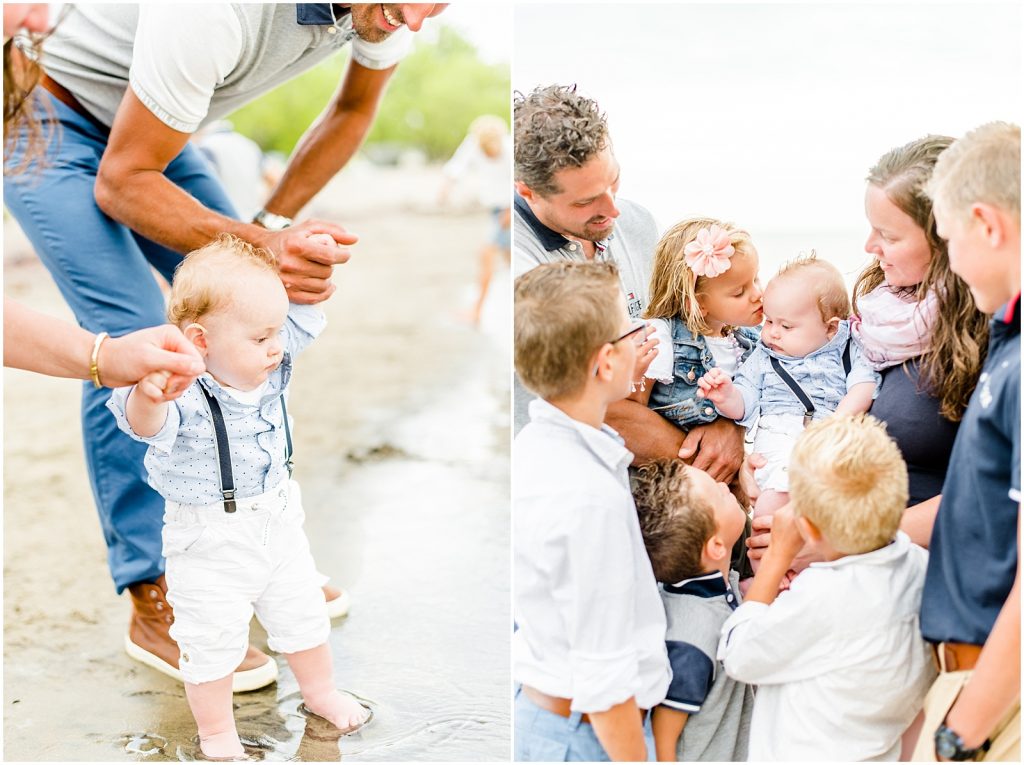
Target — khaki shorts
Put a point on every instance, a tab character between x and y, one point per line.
944	691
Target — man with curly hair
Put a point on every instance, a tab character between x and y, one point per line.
566	181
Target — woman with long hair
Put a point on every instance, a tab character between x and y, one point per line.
924	394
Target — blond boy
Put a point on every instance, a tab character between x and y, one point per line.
970	612
839	662
589	652
690	523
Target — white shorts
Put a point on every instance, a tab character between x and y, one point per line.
776	434
221	566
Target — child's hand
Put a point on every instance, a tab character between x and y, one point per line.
714	386
153	387
324	239
645	353
786	540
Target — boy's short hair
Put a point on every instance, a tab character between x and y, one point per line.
833	299
983	166
676	522
204	281
564	312
555	128
847	476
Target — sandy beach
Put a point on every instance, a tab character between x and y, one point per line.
401	437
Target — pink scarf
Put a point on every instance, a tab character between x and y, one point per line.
892	328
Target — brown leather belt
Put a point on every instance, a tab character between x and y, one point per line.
955	657
65	96
557	705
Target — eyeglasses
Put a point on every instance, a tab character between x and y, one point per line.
636	331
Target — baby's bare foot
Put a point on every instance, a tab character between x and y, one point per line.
222	746
341	709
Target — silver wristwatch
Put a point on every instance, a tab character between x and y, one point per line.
271	221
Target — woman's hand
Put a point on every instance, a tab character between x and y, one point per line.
130	358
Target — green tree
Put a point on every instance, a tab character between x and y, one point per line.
436	92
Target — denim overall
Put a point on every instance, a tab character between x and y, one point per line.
677	401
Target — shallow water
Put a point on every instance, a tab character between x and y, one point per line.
421	536
406	494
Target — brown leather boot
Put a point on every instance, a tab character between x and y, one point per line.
149	640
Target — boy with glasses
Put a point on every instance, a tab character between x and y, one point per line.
589	652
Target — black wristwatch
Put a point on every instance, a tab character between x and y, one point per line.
949	745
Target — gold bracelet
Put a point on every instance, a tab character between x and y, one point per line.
94	361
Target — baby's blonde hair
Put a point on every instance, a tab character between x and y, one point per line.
674	287
204	281
983	166
847	477
826	281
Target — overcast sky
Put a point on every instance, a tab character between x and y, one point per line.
771	114
487	25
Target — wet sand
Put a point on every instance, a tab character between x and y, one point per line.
402	435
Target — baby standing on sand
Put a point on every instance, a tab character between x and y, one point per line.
219	455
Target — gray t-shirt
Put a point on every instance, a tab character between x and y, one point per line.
630	247
191	64
719	708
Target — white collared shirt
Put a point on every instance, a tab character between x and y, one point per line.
591	626
839	662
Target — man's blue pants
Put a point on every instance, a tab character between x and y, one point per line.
104	271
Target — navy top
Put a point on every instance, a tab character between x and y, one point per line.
912	418
973	552
720	707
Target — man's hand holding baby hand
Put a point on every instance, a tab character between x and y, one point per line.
306	255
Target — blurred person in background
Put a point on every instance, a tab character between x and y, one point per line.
246	173
484	157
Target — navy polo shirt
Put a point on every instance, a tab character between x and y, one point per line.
973	552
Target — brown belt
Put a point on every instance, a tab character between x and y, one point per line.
65	96
557	705
955	657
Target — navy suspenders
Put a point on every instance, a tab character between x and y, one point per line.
227	481
799	392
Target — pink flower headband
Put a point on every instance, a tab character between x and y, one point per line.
708	254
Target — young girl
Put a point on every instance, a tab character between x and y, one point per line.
705	302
